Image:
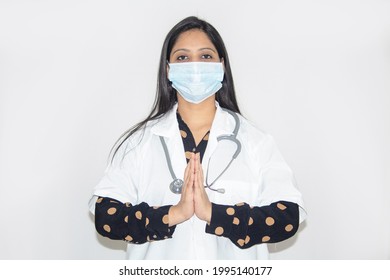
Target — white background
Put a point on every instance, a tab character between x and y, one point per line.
75	74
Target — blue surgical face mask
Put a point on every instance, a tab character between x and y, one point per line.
196	81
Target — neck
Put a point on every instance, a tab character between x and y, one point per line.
197	116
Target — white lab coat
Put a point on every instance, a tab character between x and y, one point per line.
258	176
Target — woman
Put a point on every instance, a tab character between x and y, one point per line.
225	195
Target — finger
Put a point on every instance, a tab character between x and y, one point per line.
192	168
190	183
198	186
199	172
194	161
187	171
195	158
188	179
198	161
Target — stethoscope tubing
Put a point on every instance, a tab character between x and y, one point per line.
177	184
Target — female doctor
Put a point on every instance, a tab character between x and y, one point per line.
196	180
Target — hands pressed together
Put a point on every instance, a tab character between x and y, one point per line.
194	199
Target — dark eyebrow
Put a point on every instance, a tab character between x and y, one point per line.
187	50
210	49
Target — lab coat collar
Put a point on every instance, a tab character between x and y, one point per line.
223	122
167	126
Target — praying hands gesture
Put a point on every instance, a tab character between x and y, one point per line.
194	199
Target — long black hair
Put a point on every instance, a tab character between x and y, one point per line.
166	95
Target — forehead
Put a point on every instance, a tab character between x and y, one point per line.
193	38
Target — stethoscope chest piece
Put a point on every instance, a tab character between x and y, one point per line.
176	186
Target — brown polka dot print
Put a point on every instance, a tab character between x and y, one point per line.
100	199
138	215
236	221
247	239
126	219
107	228
240	204
266	238
289	227
129	238
111	211
165	219
206	137
281	206
146	221
219	231
230	211
241	242
250	221
183	134
113	201
269	221
188	155
128	204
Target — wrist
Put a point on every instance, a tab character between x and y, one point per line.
176	216
209	213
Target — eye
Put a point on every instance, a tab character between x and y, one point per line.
207	56
182	58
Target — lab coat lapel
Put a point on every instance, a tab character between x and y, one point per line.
168	128
223	124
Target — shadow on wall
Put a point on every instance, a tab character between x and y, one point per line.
106	242
281	246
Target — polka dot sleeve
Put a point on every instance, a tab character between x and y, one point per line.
132	223
246	226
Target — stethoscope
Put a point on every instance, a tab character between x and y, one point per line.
177	184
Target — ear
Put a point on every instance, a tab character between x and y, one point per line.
223	64
167	69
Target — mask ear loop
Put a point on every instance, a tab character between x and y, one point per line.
168	66
223	64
